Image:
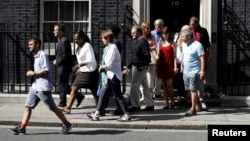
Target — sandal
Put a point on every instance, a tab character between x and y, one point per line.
66	111
191	113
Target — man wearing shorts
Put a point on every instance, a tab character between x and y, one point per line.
40	89
193	67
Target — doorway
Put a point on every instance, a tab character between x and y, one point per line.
175	13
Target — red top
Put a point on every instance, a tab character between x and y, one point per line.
165	63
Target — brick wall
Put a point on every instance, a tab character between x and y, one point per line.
105	12
14	16
19	11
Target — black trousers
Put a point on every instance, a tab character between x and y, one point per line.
180	82
115	86
63	88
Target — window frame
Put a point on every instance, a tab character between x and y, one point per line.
49	47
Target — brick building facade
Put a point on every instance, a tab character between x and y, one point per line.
229	72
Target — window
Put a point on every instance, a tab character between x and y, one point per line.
74	14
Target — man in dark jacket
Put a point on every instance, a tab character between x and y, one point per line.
63	62
139	63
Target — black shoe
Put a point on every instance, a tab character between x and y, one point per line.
117	112
171	106
102	113
149	108
134	109
61	105
165	107
158	95
79	99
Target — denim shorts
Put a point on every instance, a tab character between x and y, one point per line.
192	81
34	97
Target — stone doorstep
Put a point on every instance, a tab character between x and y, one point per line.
89	101
235	101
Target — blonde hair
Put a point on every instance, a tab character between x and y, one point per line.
159	21
145	25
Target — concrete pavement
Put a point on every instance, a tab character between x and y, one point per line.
11	109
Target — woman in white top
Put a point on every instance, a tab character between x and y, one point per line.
111	74
85	71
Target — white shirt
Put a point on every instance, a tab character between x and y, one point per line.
87	56
113	62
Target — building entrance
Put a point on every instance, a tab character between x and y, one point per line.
175	13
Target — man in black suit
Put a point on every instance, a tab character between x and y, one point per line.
63	62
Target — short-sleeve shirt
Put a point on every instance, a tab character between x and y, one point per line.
192	52
158	36
41	62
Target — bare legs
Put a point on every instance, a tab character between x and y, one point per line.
26	115
28	111
168	91
73	94
194	99
72	97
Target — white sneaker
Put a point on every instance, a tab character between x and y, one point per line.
142	100
93	116
124	118
203	106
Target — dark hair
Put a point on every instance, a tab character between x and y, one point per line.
36	40
194	19
166	29
60	27
115	29
139	30
82	35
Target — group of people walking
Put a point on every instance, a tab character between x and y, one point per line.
156	61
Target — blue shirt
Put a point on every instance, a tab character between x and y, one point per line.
158	36
41	62
192	52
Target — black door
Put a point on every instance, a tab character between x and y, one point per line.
175	13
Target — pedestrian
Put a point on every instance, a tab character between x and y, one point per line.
200	34
40	90
166	67
116	31
111	74
151	73
64	63
140	59
193	67
85	71
157	32
182	94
